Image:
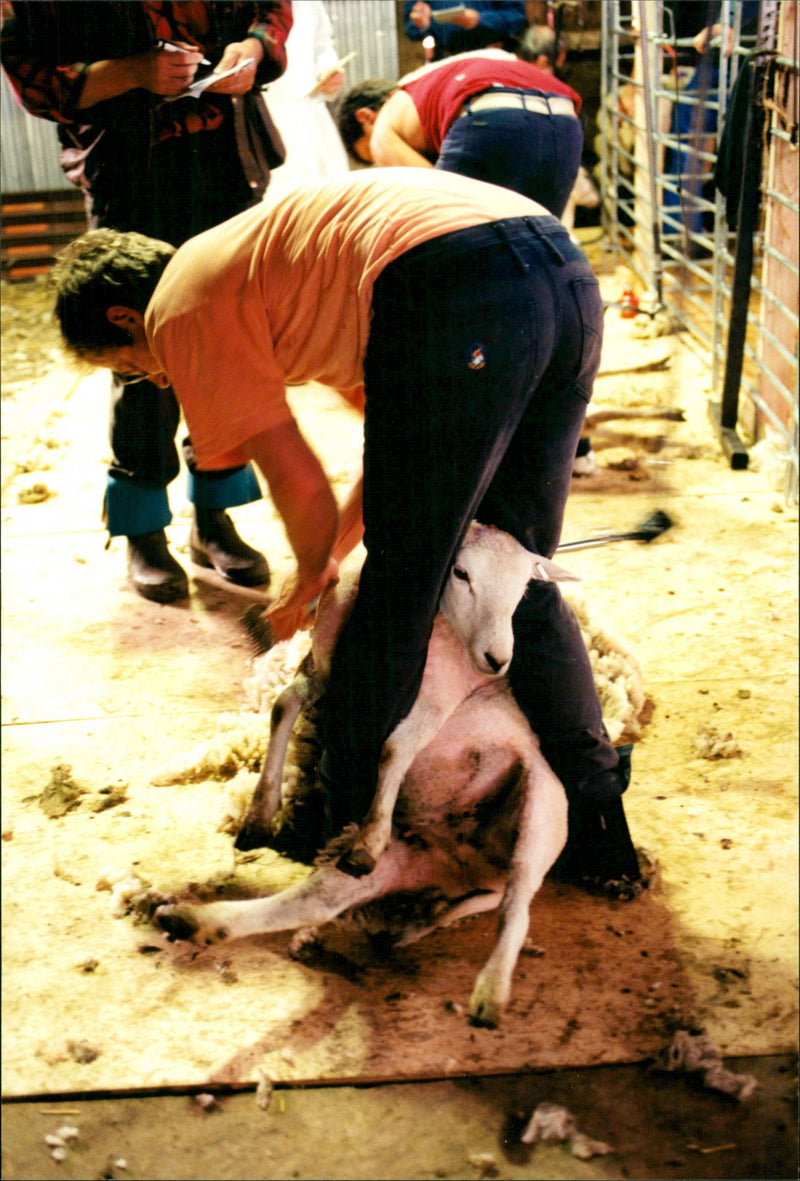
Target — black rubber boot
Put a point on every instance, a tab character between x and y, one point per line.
599	853
215	544
152	569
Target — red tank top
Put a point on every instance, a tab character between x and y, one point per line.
439	93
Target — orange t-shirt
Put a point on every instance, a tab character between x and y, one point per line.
280	296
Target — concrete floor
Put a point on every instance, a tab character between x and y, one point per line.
658	1125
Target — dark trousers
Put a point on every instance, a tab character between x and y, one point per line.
190	184
483	349
144	420
530	152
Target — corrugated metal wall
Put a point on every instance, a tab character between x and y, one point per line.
29	147
368	27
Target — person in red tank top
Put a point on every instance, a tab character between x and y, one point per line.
487	115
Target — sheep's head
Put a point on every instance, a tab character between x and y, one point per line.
483	589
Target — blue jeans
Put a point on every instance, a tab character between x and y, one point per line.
532	153
482	354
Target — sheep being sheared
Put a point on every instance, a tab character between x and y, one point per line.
480	817
238	748
297	829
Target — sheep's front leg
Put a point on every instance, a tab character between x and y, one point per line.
402	746
303	691
542	835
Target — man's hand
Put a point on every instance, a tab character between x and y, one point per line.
332	84
161	71
247	54
705	38
303	498
291	609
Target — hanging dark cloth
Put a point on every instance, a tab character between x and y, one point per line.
737	173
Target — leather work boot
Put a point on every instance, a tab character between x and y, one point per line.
215	544
599	854
152	569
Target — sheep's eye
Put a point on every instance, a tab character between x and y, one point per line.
461	573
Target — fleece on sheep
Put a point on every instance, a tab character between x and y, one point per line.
237	749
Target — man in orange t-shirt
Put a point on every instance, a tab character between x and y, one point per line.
467	325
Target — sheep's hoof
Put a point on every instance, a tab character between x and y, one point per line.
178	922
621	889
356	862
253	834
488	1002
486	1016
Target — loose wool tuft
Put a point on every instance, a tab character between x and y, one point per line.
617	673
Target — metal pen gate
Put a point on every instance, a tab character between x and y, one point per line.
734	291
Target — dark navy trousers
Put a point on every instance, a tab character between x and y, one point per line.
531	152
482	353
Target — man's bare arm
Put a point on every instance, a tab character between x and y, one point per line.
156	70
351	524
302	495
397	137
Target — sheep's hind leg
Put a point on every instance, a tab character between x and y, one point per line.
324	895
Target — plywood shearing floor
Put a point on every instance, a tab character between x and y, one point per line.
95	678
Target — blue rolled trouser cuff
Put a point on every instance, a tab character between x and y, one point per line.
216	491
132	509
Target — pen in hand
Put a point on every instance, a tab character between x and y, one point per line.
168	45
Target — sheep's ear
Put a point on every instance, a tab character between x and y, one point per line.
546	571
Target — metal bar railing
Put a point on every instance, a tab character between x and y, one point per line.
672	222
